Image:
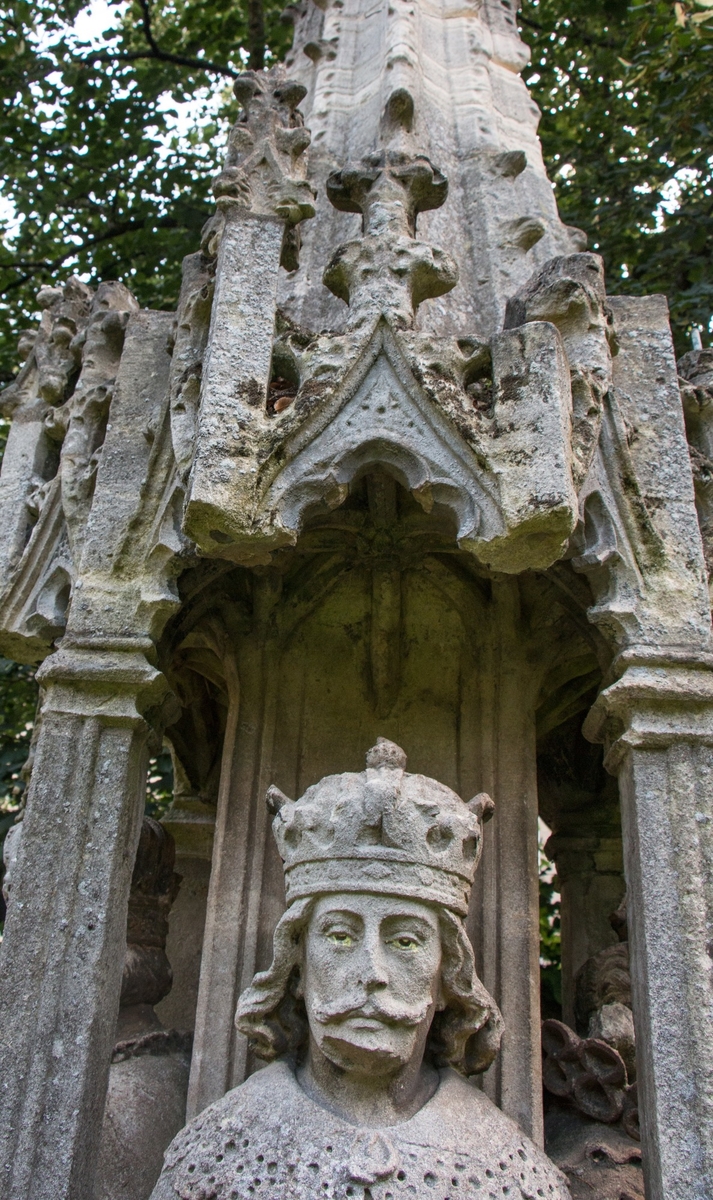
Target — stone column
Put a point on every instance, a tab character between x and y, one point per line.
191	822
504	920
589	871
63	949
657	723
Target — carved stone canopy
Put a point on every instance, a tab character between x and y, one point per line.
494	451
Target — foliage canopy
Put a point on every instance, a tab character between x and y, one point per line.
110	143
626	92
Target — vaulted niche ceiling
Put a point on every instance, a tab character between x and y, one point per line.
377	624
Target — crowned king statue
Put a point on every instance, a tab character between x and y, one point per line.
371	1017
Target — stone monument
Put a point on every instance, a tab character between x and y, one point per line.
371	1013
397	465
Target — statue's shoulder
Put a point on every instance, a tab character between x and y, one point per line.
462	1107
468	1132
265	1104
267	1138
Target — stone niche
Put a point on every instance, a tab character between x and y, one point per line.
376	624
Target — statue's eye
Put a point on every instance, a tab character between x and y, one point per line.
340	937
405	942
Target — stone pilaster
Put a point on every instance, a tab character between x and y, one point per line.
657	722
63	949
262	197
230	944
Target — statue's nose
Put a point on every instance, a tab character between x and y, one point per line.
373	967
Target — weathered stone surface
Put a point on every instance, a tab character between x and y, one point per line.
306	660
262	196
80	423
642	547
387	272
505	469
590	1073
148	1078
429	844
695	371
61	400
270	1138
598	1160
154	886
10	851
236	372
593	1079
590	876
604	979
443	82
264	171
570	292
53	354
375	541
189	345
145	1108
529	451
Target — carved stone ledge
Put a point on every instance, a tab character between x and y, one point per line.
653	706
480	430
116	685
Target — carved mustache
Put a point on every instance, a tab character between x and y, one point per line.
389	1014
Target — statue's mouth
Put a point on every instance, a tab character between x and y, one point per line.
369	1017
362	1022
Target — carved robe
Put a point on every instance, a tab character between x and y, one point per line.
268	1138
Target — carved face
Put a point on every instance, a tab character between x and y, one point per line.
371	979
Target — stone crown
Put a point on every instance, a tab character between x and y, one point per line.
381	830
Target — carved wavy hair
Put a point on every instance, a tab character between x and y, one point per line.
464	1035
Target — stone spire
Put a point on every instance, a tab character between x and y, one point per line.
440	80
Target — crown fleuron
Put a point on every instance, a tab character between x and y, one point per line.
382	830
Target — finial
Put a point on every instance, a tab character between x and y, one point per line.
275	799
386	754
388	271
265	171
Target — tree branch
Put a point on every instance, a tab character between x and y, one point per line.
576	33
180	60
155	52
34	268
